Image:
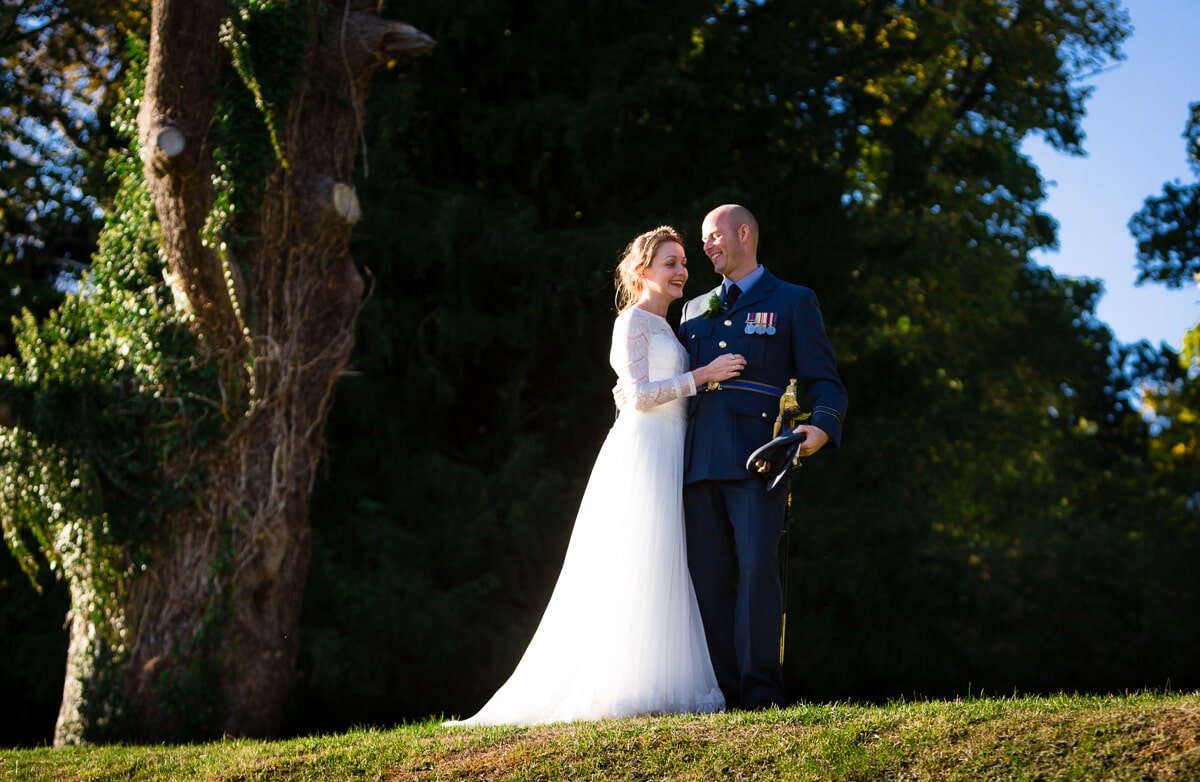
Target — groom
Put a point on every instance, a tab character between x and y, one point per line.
733	522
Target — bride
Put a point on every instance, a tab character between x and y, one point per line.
622	633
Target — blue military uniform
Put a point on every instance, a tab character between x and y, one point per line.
733	522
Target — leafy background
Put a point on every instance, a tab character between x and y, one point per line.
1014	506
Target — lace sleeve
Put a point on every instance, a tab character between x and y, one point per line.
631	359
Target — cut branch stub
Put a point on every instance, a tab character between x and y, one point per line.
404	40
362	40
170	140
345	203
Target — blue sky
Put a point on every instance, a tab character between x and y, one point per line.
1134	125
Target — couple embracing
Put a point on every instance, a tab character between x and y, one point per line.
669	597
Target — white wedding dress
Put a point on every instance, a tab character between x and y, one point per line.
622	633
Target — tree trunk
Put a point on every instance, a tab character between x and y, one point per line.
209	630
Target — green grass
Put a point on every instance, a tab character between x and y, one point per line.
1135	737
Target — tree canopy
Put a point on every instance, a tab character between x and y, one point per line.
57	58
1167	228
993	519
1001	515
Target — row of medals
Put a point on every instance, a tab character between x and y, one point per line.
760	323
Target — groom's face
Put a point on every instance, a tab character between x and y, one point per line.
721	244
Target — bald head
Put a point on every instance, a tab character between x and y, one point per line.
732	217
730	235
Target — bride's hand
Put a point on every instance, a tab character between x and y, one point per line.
723	367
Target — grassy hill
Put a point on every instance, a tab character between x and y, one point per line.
1136	737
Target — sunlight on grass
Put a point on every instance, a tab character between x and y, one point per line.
1061	737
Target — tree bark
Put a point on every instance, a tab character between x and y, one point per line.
222	593
181	87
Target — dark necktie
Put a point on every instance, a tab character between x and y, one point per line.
731	295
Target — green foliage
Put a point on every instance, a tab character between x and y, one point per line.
54	61
266	41
999	515
57	58
1168	233
993	518
117	406
267	71
461	444
114	404
1167	228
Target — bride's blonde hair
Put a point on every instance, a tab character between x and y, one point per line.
636	259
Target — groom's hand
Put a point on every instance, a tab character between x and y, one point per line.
619	397
814	439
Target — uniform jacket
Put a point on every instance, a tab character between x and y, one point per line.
725	426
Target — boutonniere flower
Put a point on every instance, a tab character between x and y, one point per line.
714	307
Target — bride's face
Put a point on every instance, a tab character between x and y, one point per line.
665	276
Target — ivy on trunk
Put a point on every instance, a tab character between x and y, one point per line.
165	425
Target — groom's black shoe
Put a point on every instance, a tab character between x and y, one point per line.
775	459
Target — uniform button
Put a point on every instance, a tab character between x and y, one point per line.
764	415
729	323
722	344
